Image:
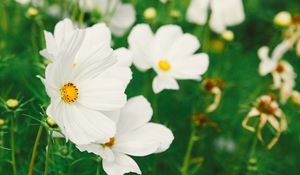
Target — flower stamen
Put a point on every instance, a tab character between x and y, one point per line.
164	65
110	143
69	93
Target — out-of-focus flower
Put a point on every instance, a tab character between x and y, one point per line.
33	2
169	52
2	122
215	87
32	12
12	103
135	136
296	97
292	34
164	1
118	16
81	81
227	35
217	45
282	72
268	111
150	13
175	13
283	19
223	13
203	120
225	144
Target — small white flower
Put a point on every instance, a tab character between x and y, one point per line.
282	72
34	2
164	1
135	136
118	16
85	78
169	52
223	13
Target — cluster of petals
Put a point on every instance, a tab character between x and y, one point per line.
223	13
169	52
135	136
85	79
268	111
282	72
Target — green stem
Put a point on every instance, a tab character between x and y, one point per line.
187	157
37	139
75	10
48	152
98	166
12	142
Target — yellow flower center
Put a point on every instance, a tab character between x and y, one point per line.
69	93
110	143
164	65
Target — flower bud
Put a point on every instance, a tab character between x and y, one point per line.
150	13
228	35
283	19
32	11
175	13
2	122
12	103
51	122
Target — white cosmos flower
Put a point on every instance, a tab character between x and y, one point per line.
135	136
169	52
282	72
118	16
223	13
85	78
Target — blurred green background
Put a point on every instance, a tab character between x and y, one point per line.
236	64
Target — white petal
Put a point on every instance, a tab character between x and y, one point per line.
165	38
50	45
98	149
163	82
217	22
97	39
141	43
148	139
62	30
121	165
102	94
266	67
198	11
184	46
134	114
190	68
122	19
263	53
280	50
233	12
121	70
83	126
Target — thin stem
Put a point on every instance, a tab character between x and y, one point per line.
37	139
12	142
48	152
98	166
186	161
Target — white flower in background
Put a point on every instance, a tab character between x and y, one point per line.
135	136
225	144
282	72
169	52
223	13
34	2
81	81
268	111
118	16
164	1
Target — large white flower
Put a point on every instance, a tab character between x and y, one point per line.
84	79
223	13
169	52
282	72
135	136
118	16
